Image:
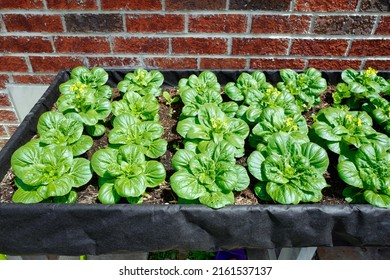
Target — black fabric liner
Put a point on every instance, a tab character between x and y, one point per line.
102	229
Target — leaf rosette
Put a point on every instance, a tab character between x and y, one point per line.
289	172
213	125
124	172
144	134
367	173
45	172
142	82
210	176
341	129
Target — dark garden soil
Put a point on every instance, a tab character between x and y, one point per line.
169	116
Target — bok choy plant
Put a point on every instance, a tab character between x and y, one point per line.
142	82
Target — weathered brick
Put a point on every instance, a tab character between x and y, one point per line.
222	63
378	64
21	4
383	26
280	24
375	6
318	47
171	62
67	44
222	23
11	129
144	5
3	82
94	23
199	46
4	100
71	4
54	63
259	46
174	5
26	44
376	47
325	6
3	132
33	23
271	5
8	116
155	23
3	141
113	61
13	63
277	63
140	45
43	79
343	25
334	64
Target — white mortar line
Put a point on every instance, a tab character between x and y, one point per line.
358	6
292	6
62	17
186	23
99	5
249	24
44	4
2	25
227	5
29	66
163	7
346	54
290	42
229	45
124	23
376	23
312	23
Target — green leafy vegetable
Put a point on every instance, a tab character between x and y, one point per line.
306	87
289	172
125	172
142	82
211	124
81	78
340	129
45	172
379	109
144	107
358	87
145	134
56	129
210	176
367	172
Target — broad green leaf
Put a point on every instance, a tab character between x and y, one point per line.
255	161
155	173
22	196
96	130
186	185
185	125
102	160
157	148
318	156
80	172
70	198
82	145
243	179
354	195
107	193
217	199
131	187
60	187
378	200
260	190
349	174
283	193
181	159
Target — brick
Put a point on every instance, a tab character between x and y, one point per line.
54	63
277	63
325	6
13	63
94	23
3	141
144	5
334	64
21	4
33	23
113	61
11	129
155	23
26	44
383	26
222	63
280	24
3	132
67	44
271	5
171	62
376	47
71	4
375	6
344	25
174	5
378	64
259	46
43	79
4	100
220	23
8	116
318	47
199	46
3	82
140	45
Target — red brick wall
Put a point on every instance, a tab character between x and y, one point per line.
38	38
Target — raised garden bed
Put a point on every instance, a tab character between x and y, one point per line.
86	228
